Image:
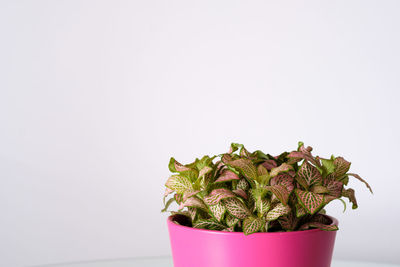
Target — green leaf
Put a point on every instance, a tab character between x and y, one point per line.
310	201
217	195
236	208
252	225
328	165
179	184
234	147
278	211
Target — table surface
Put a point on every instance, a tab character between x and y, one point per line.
167	262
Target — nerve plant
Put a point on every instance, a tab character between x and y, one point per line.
248	192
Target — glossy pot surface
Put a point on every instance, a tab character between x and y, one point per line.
206	248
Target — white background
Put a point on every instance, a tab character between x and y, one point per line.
95	96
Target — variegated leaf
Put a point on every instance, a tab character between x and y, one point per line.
245	167
178	198
241	193
278	211
350	194
310	174
193	213
227	175
288	222
318	225
236	208
310	201
204	171
228	229
300	211
252	225
218	211
284	167
179	184
284	179
230	220
319	189
175	166
263	206
217	195
169	202
210	224
280	192
193	202
334	188
361	179
342	167
242	184
189	194
269	164
261	170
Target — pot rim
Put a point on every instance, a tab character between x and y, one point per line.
206	231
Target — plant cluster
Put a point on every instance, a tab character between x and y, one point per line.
256	192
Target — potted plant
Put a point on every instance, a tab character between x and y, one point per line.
254	209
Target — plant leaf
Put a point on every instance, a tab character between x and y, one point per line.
284	179
350	194
269	164
263	206
217	195
169	202
175	166
310	201
300	211
278	211
310	174
194	202
334	188
288	222
319	189
245	167
241	193
342	167
227	175
230	220
320	226
179	184
329	166
361	179
236	208
242	184
218	211
284	167
251	225
280	192
210	224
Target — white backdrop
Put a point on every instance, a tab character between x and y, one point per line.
95	96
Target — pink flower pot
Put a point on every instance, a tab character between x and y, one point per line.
206	248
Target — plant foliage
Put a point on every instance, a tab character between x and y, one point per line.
255	192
